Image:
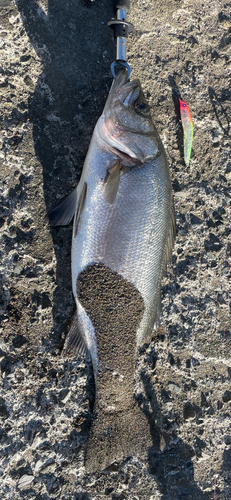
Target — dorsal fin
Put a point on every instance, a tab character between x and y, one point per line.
63	213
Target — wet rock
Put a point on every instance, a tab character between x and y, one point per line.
3	408
19	341
226	396
225	40
195	220
213	244
22	469
227	439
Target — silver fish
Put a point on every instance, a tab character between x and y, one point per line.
123	236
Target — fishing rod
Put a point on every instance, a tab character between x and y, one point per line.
121	30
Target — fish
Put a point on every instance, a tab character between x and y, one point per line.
187	125
123	235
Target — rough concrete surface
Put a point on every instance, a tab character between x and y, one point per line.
54	79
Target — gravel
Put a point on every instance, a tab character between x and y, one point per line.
54	80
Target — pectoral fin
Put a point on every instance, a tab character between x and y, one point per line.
111	183
79	210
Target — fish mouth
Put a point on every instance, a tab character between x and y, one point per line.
122	89
130	160
119	81
121	78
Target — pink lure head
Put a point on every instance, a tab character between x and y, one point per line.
184	108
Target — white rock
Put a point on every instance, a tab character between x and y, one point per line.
25	481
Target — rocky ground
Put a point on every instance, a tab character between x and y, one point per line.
54	79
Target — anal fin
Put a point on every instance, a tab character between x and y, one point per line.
75	341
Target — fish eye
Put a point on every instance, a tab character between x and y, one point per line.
141	106
184	105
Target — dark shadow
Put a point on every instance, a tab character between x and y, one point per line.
172	464
76	49
179	131
219	109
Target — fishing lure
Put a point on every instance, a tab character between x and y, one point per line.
187	125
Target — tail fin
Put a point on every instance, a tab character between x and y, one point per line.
115	308
116	434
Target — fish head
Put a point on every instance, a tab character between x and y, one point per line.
125	127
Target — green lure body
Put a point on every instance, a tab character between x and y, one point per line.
187	125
